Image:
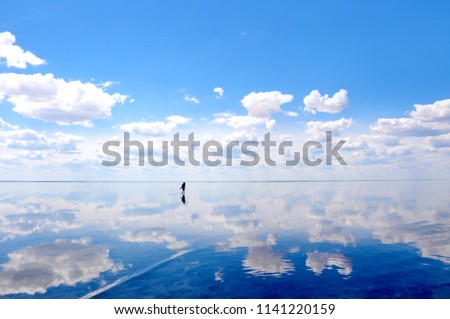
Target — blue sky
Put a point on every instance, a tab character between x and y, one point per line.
166	57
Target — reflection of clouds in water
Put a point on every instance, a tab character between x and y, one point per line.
233	210
154	235
324	231
247	240
242	226
28	223
240	241
64	262
271	239
218	275
413	213
428	237
317	262
263	261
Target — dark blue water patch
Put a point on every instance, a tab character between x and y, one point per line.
379	271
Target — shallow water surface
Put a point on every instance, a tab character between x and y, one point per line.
359	239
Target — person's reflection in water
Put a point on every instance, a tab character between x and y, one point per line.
183	189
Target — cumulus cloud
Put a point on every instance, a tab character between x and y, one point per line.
271	124
238	122
154	235
51	99
192	99
291	114
408	127
315	102
425	120
242	135
436	112
219	92
33	142
260	106
177	119
440	141
318	128
318	262
157	128
34	269
28	139
263	104
14	55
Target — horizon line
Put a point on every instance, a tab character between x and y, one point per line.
227	181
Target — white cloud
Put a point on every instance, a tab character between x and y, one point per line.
67	143
28	139
409	127
157	128
15	56
259	106
271	124
318	128
9	159
107	84
291	114
34	269
192	99
219	91
239	122
154	235
243	135
440	141
177	119
6	126
438	111
51	99
263	104
425	120
314	102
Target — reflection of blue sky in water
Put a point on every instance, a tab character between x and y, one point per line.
71	239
